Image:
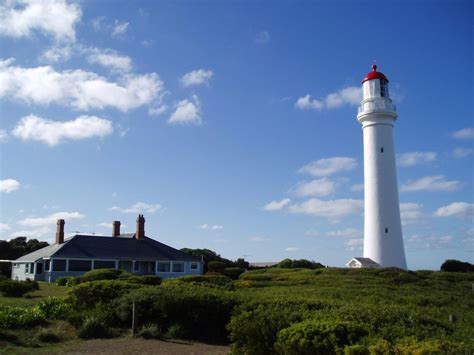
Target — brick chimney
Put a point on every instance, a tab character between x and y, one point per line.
60	231
116	229
140	234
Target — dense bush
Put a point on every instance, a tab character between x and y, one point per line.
101	274
314	337
47	336
64	280
201	312
217	266
457	266
299	263
93	327
214	279
89	294
12	288
254	327
151	280
150	331
54	308
233	272
17	317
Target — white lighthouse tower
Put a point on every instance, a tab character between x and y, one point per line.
383	241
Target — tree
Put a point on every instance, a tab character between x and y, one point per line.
456	266
15	248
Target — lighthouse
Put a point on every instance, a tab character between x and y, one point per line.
383	241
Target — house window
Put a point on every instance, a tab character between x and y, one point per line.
30	268
178	267
39	268
27	268
163	266
125	265
80	265
46	265
59	265
104	264
136	266
194	266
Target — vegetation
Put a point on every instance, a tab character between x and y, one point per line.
12	288
457	266
298	263
279	310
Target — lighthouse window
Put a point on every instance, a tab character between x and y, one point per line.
386	230
381	150
383	88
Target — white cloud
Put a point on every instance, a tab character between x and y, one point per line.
259	239
431	183
33	233
55	132
139	207
357	187
51	219
197	77
109	58
3	136
317	187
415	158
345	233
292	249
54	18
411	213
9	185
354	244
56	54
348	96
465	133
157	111
276	205
119	29
329	166
187	112
83	90
4	227
462	152
456	209
262	37
332	209
211	227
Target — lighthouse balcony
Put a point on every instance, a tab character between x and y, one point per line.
376	106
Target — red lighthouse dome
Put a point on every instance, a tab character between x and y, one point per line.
374	74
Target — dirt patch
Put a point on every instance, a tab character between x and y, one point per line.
142	346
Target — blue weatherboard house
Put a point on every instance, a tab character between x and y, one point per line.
132	252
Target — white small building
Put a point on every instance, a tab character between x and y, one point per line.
357	263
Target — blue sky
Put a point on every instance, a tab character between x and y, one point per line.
232	125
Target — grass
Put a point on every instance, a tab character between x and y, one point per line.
46	290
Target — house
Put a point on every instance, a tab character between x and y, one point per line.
362	262
133	252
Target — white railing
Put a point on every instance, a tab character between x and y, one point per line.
371	106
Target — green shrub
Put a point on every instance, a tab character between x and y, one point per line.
47	336
73	281
233	272
216	266
54	308
101	274
457	266
151	280
63	280
202	312
432	347
89	294
251	276
149	331
254	327
175	331
13	288
315	337
17	317
214	278
357	349
93	327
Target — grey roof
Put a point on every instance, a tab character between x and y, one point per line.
366	261
124	247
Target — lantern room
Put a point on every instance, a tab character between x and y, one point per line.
375	84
